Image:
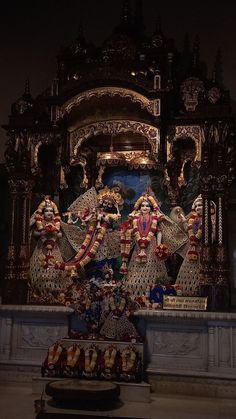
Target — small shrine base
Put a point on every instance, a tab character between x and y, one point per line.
186	352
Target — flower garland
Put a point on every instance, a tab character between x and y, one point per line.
144	236
195	235
128	359
90	245
49	227
54	354
73	354
90	359
109	357
125	245
162	252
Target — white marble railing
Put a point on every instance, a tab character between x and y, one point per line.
26	331
190	342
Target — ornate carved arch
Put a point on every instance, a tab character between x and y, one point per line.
151	105
185	131
112	127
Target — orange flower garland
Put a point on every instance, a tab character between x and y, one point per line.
194	236
125	245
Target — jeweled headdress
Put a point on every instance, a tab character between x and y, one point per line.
199	199
110	195
46	203
148	196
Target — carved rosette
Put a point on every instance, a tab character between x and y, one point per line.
191	89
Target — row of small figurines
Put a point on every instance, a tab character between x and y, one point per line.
93	362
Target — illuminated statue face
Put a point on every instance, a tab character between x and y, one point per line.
198	207
48	213
145	208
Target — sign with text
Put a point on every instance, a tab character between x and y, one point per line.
171	302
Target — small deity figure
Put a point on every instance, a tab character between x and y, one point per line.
117	326
92	360
130	368
72	366
189	276
54	360
46	283
153	237
109	363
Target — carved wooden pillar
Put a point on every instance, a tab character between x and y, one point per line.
17	268
214	186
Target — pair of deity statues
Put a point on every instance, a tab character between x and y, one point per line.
143	242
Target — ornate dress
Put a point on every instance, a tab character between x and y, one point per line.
189	276
117	326
146	242
46	283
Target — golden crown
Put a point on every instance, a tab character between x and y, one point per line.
110	195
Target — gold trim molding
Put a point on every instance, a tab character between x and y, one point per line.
151	105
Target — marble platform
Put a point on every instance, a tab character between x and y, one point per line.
26	332
184	352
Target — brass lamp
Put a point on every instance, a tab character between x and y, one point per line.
143	161
111	157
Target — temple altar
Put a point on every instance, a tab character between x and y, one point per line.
121	177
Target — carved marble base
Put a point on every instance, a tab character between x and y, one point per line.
27	331
190	343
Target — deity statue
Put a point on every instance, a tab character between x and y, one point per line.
189	276
98	214
72	364
53	363
117	325
109	363
131	364
153	237
46	283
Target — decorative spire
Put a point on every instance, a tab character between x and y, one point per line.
158	27
218	67
138	17
80	31
186	48
27	87
126	12
196	49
